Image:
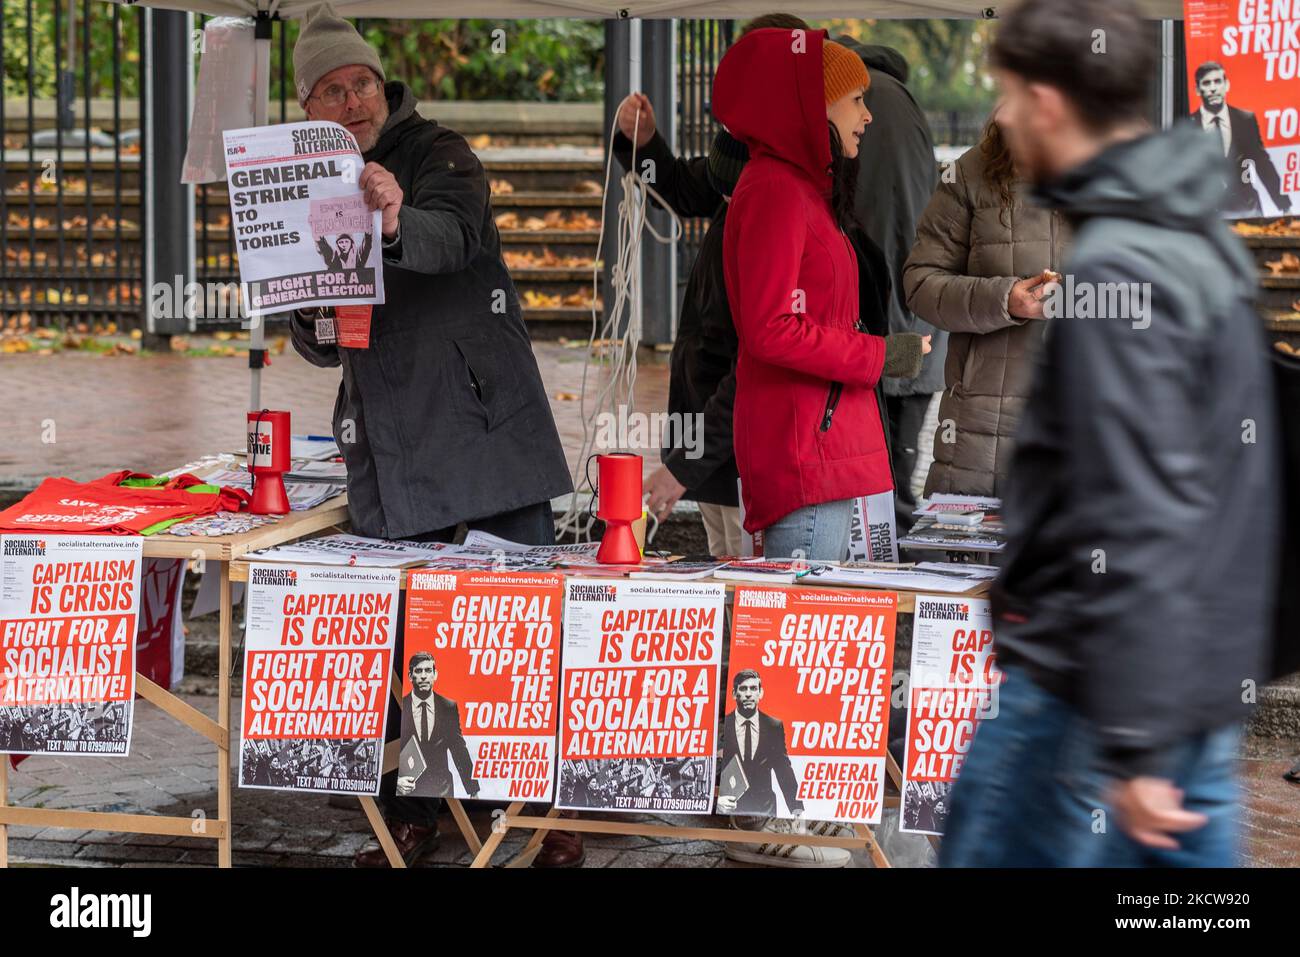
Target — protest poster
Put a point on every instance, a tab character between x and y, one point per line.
1243	83
873	533
640	683
480	685
318	658
69	609
953	683
304	234
807	712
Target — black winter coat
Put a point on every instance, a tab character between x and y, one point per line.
897	174
702	376
444	418
1144	498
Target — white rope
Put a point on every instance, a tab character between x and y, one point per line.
622	302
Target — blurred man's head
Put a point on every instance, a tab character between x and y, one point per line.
345	244
775	21
1212	85
1074	76
339	77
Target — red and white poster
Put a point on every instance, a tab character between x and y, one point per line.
1243	79
480	685
318	658
953	684
69	606
807	713
640	695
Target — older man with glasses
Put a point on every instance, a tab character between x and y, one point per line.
442	419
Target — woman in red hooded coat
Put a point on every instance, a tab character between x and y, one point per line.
808	431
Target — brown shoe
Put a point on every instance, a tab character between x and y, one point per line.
413	842
560	849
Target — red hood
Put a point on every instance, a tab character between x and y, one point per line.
772	99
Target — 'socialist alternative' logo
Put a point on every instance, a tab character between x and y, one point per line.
24	547
285	577
437	582
592	593
762	599
947	610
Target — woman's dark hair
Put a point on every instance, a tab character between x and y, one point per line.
844	183
999	169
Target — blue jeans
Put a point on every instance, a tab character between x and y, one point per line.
820	532
1030	794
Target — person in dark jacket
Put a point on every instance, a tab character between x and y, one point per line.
1133	612
702	380
897	173
702	377
443	420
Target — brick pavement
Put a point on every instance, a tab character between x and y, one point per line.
173	771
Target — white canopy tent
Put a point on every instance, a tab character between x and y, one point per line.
622	9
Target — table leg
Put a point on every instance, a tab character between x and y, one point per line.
499	830
466	828
380	827
223	719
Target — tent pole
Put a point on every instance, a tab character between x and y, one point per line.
618	54
658	80
261	99
169	210
1167	78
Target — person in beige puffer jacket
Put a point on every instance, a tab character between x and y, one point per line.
977	271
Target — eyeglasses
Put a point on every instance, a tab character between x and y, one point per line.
335	95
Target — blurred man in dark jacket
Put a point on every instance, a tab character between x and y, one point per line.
897	175
443	419
1134	610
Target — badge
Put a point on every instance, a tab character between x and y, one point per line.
353	326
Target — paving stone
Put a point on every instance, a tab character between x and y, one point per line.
138	853
21	851
640	859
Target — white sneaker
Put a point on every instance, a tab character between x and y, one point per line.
788	855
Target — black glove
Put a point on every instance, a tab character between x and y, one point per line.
903	355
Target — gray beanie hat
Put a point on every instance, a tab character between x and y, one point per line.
327	42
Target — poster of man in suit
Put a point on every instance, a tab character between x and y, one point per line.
433	723
1243	64
806	722
481	687
757	741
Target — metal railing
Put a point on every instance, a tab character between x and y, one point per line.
72	177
